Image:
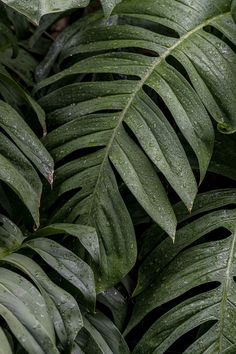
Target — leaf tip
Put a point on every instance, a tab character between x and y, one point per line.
51	178
173	238
44	132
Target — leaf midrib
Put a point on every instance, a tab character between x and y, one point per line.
155	64
226	289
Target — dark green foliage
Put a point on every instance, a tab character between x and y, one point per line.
117	177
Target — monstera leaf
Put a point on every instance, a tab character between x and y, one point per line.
35	9
120	119
204	254
35	309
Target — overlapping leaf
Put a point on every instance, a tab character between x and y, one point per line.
20	149
35	9
37	311
100	335
194	260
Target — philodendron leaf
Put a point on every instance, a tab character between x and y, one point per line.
35	9
204	254
26	140
204	203
36	307
157	90
63	308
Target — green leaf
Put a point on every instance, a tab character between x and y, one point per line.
24	310
152	238
5	31
117	304
16	169
137	105
68	265
108	6
63	308
62	40
38	302
38	8
194	260
230	350
101	206
7	79
23	65
101	336
85	234
10	175
11	237
167	80
5	345
26	140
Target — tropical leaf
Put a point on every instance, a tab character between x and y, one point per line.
108	6
23	65
35	9
153	236
12	86
117	304
46	65
20	149
36	309
9	39
203	254
119	116
5	345
86	235
100	336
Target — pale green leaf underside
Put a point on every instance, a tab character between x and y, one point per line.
5	345
35	9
